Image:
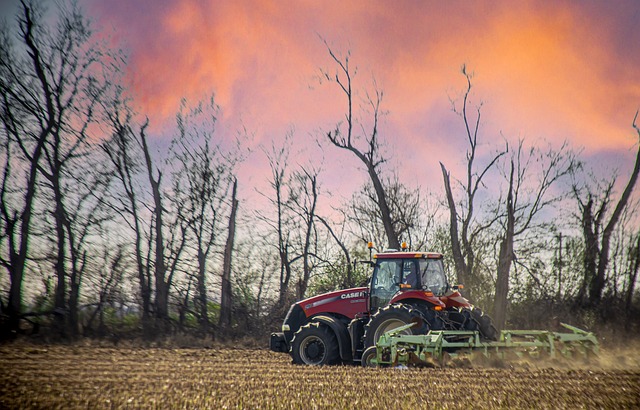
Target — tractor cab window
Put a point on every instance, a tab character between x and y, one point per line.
385	282
410	273
432	276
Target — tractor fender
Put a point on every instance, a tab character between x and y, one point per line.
341	332
418	297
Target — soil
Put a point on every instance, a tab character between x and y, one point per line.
37	376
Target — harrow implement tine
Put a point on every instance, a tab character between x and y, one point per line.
393	348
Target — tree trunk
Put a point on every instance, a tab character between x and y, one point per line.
385	212
162	288
283	250
18	257
74	297
461	267
60	305
226	290
75	280
591	251
143	275
504	262
285	276
306	268
202	292
182	313
633	275
599	281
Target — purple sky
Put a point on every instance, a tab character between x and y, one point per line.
543	70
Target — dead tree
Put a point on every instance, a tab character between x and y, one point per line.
597	243
505	257
281	223
531	174
634	262
370	156
348	281
162	282
51	82
292	220
21	111
121	152
226	295
200	187
464	238
303	202
411	216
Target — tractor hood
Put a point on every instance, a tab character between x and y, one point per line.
345	302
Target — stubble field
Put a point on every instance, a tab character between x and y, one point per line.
98	377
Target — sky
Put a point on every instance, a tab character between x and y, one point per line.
543	70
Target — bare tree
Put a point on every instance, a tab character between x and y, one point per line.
66	155
226	294
200	187
348	280
303	202
200	197
28	119
51	81
634	268
412	217
166	249
107	282
464	238
371	156
121	152
158	257
292	220
597	233
525	201
281	222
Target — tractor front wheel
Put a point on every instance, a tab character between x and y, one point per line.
314	344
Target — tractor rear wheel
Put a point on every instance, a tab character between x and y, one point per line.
314	344
433	318
482	323
391	317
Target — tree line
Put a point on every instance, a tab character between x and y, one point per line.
98	230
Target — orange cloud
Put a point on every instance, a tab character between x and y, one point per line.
555	70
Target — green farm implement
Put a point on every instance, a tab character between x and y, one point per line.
395	347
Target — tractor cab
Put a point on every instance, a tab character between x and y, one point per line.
405	271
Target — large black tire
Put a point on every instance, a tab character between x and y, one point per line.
314	344
391	317
433	317
482	323
369	353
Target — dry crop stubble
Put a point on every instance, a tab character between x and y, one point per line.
98	377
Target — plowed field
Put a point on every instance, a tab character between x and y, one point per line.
94	377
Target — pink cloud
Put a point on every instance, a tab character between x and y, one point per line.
560	70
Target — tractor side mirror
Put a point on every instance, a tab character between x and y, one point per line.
457	287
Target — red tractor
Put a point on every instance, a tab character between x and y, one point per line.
406	287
